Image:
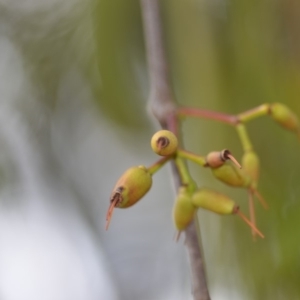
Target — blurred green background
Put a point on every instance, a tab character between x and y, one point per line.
74	117
226	56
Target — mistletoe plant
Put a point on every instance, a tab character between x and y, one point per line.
137	181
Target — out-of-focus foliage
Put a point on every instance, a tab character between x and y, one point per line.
121	61
73	118
231	56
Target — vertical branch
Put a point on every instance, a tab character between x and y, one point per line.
161	99
162	105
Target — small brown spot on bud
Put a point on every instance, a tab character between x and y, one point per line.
235	209
162	142
117	196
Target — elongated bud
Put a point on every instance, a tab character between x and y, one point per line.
183	210
232	176
214	201
250	163
284	116
216	159
164	143
130	188
220	204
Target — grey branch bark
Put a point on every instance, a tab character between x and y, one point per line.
163	105
161	99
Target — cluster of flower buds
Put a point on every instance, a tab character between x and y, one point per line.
187	204
235	175
137	181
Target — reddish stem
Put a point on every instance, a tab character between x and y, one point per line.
207	114
226	154
172	124
261	199
110	212
252	212
240	214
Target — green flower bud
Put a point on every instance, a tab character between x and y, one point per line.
183	210
130	188
284	116
250	163
220	204
214	201
232	176
164	143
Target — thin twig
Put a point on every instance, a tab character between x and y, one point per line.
163	107
208	114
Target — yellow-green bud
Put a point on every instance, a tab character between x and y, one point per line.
214	201
250	163
220	204
164	143
183	210
284	116
131	187
231	175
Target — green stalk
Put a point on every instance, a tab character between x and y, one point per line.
200	160
243	135
186	179
157	165
254	113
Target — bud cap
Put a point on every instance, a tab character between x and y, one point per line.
164	143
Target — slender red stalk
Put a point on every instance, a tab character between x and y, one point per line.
231	157
172	123
240	214
207	114
261	199
110	212
252	212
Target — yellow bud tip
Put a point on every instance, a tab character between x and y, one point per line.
252	226
226	154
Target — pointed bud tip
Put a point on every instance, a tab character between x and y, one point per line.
250	224
177	236
226	154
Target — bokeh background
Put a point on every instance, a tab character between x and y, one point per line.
73	118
